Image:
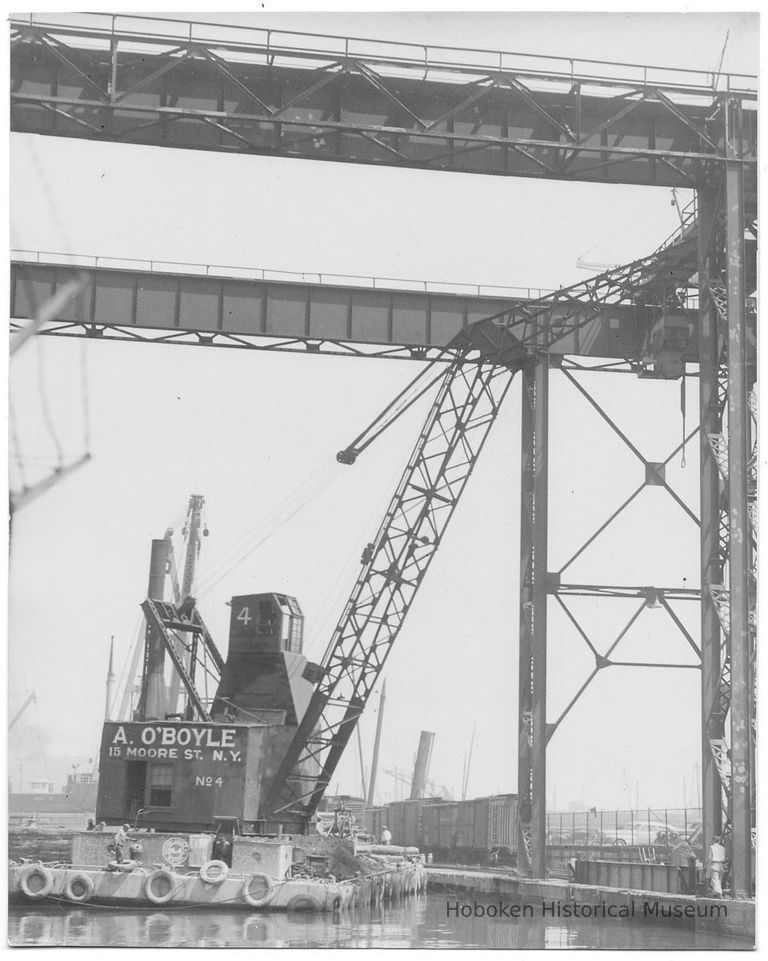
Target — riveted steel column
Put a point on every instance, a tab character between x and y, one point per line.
539	819
532	728
739	535
713	720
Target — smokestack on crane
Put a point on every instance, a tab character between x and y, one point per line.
153	702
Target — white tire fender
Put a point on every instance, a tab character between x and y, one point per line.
79	887
36	882
249	898
160	897
214	872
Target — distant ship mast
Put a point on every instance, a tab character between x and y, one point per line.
110	681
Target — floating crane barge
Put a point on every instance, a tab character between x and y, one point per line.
193	787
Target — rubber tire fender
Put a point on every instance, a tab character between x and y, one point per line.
304	902
220	866
42	871
150	880
245	890
69	884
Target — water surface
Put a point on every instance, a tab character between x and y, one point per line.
421	922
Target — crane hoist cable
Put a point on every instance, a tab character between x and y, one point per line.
317	640
317	482
270	524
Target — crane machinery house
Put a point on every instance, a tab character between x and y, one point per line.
174	773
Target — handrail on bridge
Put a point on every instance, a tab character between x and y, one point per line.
429	57
401	284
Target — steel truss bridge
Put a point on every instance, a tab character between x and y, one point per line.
143	80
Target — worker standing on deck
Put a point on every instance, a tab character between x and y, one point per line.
386	837
121	836
716	866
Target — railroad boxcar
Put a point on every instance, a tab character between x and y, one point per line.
439	826
402	822
478	831
405	820
375	819
502	823
465	827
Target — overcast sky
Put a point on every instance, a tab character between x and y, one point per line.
246	429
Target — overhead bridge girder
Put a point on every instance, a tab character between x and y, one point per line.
134	80
184	307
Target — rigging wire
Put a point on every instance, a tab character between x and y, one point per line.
41	749
287	509
15	445
331	608
304	492
716	75
42	389
84	395
50	199
124	679
33	307
35	459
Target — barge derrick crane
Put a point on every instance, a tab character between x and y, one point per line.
477	369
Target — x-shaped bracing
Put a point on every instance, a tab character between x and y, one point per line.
650	597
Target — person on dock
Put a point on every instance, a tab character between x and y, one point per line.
684	860
716	866
91	826
386	837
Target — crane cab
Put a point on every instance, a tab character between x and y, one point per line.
266	676
666	345
265	622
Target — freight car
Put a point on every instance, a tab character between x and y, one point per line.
375	819
404	819
480	831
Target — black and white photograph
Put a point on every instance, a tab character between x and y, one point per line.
383	465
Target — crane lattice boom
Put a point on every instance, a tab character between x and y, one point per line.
484	358
393	567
